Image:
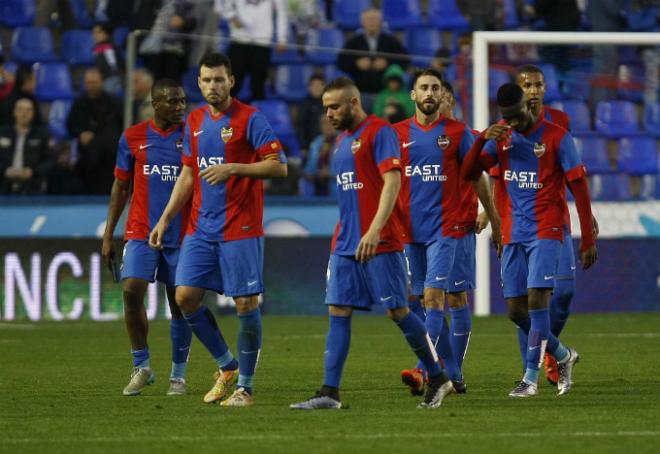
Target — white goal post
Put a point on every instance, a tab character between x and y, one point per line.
481	40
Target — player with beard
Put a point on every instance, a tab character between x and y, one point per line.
228	148
440	219
366	264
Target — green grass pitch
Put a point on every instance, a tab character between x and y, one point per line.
60	392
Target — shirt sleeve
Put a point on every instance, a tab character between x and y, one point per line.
570	159
488	156
125	160
262	138
386	150
467	140
186	153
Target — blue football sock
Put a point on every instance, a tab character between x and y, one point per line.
336	349
206	329
420	343
436	325
417	308
560	304
249	346
461	327
141	358
181	336
536	343
522	329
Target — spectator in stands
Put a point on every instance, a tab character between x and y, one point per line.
309	112
165	49
24	156
251	33
367	70
55	11
317	167
394	112
24	86
605	16
142	83
108	59
303	16
394	92
557	15
481	14
6	80
95	121
62	178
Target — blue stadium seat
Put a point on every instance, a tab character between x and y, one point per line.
578	114
652	119
53	81
326	38
291	81
422	41
577	85
277	113
289	56
119	36
551	82
245	94
593	151
32	44
331	72
400	14
612	187
59	111
346	13
190	87
616	119
80	12
511	19
638	156
17	13
10	67
77	47
444	15
631	82
496	78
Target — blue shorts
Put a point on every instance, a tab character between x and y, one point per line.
463	274
566	269
430	263
532	264
142	262
234	268
381	280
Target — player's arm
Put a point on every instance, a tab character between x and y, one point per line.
588	253
181	193
118	198
388	196
269	167
482	188
476	162
594	221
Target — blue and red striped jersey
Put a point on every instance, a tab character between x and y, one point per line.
359	159
556	116
531	196
231	210
153	159
431	194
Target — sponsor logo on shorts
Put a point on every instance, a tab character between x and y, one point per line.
386	298
459	282
251	283
440	278
547	278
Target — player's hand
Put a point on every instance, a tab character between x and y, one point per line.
588	257
497	132
217	173
596	229
481	223
156	235
366	250
108	251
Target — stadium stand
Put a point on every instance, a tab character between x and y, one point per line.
402	14
57	115
17	13
347	13
53	82
32	44
616	118
77	46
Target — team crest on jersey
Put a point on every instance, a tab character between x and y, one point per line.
355	146
226	134
443	142
179	144
539	149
